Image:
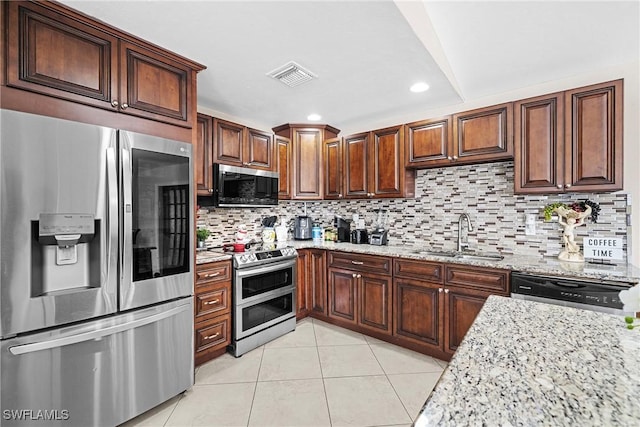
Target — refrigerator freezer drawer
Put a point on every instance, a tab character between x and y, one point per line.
101	373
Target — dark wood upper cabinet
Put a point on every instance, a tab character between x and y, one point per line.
55	51
388	176
485	134
42	45
154	86
228	142
570	141
593	137
333	164
283	166
307	179
356	166
259	150
429	142
202	158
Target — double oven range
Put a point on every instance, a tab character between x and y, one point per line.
264	296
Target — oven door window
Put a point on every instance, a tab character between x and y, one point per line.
260	283
264	312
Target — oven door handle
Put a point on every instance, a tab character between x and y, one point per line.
253	271
260	298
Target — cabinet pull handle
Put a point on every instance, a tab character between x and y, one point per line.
559	186
217	273
446	291
215	301
567	186
125	106
357	262
114	103
440	290
208	337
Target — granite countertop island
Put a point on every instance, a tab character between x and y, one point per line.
533	364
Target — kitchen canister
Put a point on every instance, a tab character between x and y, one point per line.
281	232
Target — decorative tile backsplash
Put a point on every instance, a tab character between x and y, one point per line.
430	219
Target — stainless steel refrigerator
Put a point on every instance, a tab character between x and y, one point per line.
96	280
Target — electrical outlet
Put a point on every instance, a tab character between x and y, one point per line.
530	224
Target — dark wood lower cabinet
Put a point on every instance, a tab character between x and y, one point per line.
418	312
374	302
342	286
461	308
311	282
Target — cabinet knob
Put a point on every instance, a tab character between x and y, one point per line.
340	196
114	104
455	158
559	186
124	106
446	291
211	190
449	158
359	276
354	275
440	290
567	186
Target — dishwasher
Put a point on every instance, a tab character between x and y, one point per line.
587	294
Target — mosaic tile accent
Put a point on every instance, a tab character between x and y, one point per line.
430	219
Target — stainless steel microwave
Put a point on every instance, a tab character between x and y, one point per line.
244	187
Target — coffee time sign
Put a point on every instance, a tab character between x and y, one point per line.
602	248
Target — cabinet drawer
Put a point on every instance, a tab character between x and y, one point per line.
368	263
495	281
212	301
420	270
213	334
213	272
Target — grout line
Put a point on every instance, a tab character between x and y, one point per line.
174	408
391	384
324	386
255	386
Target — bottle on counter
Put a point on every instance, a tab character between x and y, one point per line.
316	232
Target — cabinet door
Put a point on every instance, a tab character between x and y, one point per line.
387	174
202	157
484	134
593	138
283	166
333	169
461	308
302	283
342	295
154	86
228	142
429	143
539	144
317	266
58	56
355	166
259	150
374	305
308	164
418	314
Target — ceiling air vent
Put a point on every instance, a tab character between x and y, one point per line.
292	74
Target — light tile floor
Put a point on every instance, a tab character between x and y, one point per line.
317	375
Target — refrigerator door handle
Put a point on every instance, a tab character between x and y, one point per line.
112	211
92	335
126	231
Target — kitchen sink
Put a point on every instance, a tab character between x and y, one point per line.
478	256
435	253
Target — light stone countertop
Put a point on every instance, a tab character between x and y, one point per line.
205	256
534	364
537	265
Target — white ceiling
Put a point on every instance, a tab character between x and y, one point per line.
367	53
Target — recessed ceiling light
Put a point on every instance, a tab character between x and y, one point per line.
419	87
314	117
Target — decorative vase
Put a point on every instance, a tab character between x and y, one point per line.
571	219
200	244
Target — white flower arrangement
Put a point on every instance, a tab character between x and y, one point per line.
631	300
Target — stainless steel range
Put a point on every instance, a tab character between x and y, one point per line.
264	297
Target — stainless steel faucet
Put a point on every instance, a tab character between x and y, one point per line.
463	244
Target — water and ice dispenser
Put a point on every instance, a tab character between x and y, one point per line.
65	254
